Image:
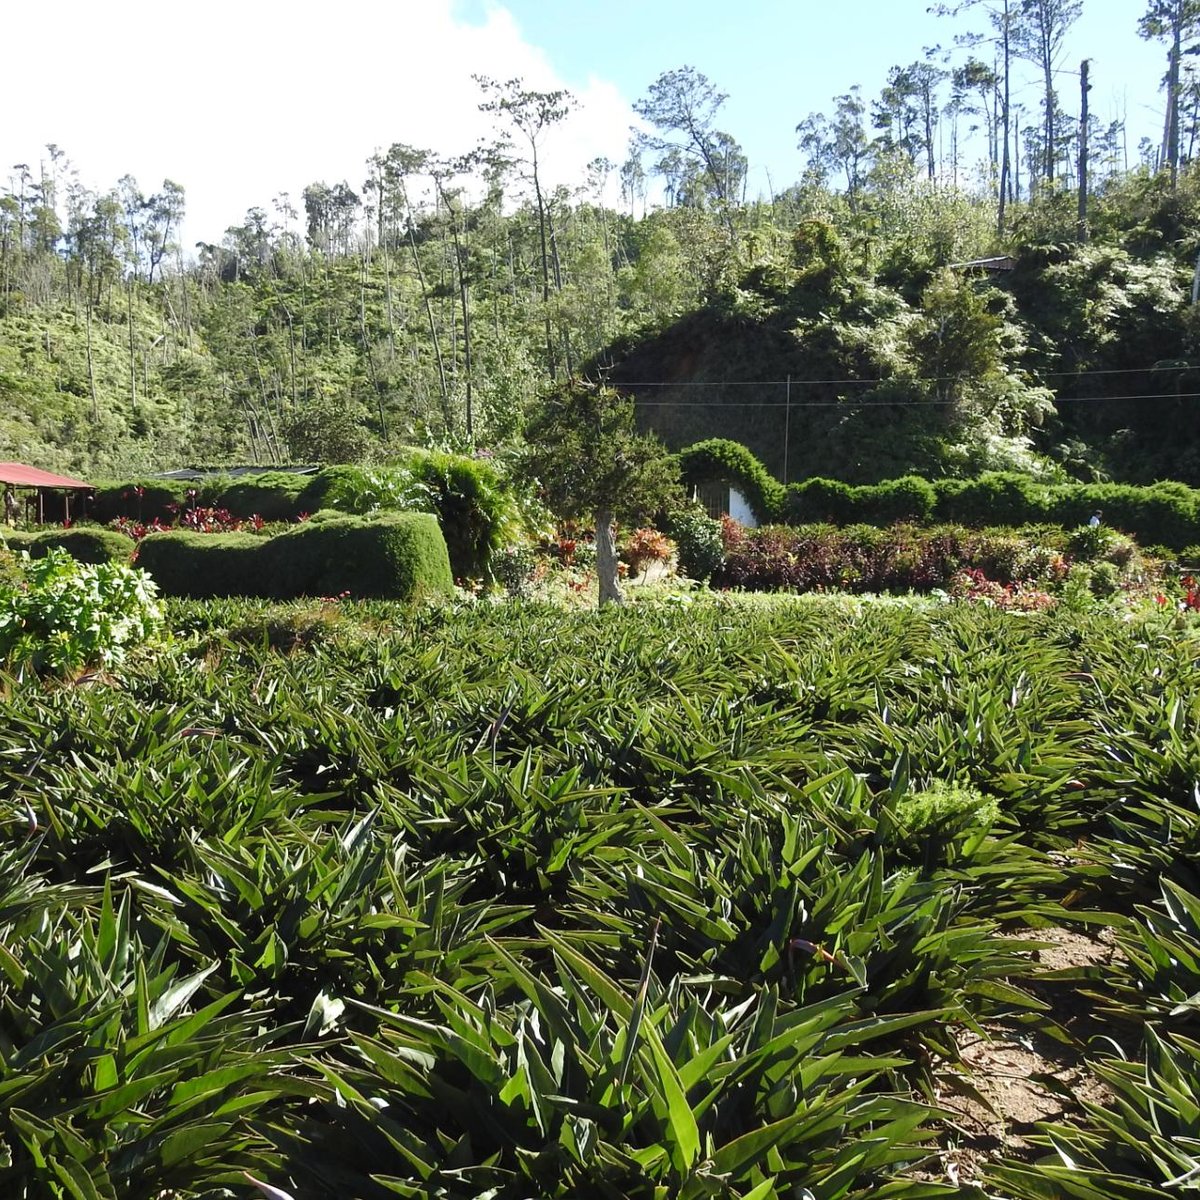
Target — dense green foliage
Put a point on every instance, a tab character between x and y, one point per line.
394	556
64	615
699	548
432	906
1160	514
834	332
86	543
719	460
585	456
475	503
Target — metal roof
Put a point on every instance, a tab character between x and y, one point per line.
1004	262
189	473
22	476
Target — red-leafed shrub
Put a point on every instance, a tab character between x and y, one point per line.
863	558
646	546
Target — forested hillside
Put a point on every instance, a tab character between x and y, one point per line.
836	327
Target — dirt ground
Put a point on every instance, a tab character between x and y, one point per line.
1017	1075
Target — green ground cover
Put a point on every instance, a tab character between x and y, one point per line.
686	900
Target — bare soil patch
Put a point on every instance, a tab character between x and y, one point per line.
1018	1074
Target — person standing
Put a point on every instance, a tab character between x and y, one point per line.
11	507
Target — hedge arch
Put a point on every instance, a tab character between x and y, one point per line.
718	460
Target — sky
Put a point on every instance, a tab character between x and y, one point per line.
242	100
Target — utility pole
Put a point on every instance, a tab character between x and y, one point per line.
1084	88
787	422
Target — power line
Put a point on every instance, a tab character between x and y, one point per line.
685	383
858	404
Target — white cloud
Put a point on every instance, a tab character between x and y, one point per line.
240	101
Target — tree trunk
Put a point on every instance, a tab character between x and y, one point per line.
1173	104
1005	118
552	363
132	362
606	559
91	369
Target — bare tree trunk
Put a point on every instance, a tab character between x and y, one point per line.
1006	114
368	352
132	362
606	559
1173	105
541	212
90	366
1084	88
433	332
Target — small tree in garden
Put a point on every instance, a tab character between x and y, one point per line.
586	455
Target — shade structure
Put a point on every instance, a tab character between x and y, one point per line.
20	475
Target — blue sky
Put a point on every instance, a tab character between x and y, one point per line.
240	100
779	60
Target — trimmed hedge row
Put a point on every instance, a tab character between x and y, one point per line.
718	460
396	556
1161	514
86	543
472	501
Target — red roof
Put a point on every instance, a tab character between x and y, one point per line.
23	476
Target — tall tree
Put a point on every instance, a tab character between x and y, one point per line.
682	105
1001	14
1038	36
841	144
1177	22
532	114
402	163
162	216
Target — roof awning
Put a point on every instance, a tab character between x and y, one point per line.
20	475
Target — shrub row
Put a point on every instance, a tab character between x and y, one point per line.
473	503
87	543
866	558
1163	514
395	556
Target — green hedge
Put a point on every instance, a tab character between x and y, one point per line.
17	539
84	543
395	556
159	498
474	503
719	460
1162	514
274	496
204	565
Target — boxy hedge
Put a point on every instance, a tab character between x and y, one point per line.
1160	514
395	556
85	543
472	500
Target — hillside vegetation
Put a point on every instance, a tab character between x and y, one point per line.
836	327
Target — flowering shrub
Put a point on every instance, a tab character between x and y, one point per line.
216	520
1190	601
137	529
70	615
566	550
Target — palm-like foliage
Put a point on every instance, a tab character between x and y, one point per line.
517	902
